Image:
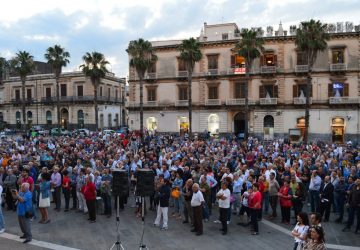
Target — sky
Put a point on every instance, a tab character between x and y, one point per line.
107	26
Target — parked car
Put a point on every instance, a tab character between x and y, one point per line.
82	132
40	130
122	131
58	132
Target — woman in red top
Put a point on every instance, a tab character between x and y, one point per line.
90	197
255	207
66	189
285	195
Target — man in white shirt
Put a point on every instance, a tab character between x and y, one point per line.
224	204
197	202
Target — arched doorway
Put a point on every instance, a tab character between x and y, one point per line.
151	124
300	124
338	129
213	124
268	127
48	118
29	116
101	121
184	125
64	118
239	124
18	119
117	120
109	120
80	116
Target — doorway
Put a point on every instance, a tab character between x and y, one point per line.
239	125
268	127
64	116
184	125
338	130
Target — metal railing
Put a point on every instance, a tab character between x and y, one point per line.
212	72
182	73
150	104
301	68
268	101
338	67
301	100
238	101
181	103
151	76
344	100
213	102
268	69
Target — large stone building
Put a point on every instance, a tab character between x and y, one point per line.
76	101
276	92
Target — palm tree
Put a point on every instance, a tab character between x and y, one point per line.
249	47
95	68
23	65
58	58
4	66
142	57
311	39
190	53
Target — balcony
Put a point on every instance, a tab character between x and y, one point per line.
213	102
301	100
150	76
150	104
268	101
336	67
182	74
181	103
239	101
20	101
212	72
344	100
301	68
268	69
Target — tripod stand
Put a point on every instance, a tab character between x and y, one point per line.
142	245
117	243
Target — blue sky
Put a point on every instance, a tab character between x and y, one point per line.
107	26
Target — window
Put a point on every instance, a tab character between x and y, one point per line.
213	92
48	92
299	90
183	93
338	89
29	117
225	36
18	117
181	65
109	120
100	91
80	90
212	61
151	94
268	91
301	58
48	117
152	68
269	59
80	118
116	94
63	90
239	90
338	56
28	94
237	61
17	94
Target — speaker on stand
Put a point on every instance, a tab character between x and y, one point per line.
120	187
144	187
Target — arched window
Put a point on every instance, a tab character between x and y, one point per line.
80	116
48	117
268	121
213	124
109	121
18	119
151	123
101	120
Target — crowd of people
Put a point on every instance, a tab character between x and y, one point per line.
243	179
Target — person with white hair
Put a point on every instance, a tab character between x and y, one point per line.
24	210
197	203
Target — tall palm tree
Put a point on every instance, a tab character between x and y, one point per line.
58	58
94	67
23	65
4	66
249	47
311	39
190	53
142	57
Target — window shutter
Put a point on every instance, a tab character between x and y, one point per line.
232	61
330	90
295	91
346	89
262	60
276	91
261	91
275	60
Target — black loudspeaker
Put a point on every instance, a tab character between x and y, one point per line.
120	183
145	182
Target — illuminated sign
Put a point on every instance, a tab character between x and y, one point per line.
239	71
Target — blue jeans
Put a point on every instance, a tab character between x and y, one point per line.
178	205
2	223
314	200
107	203
206	211
265	201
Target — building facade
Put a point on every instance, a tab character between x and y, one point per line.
76	101
277	88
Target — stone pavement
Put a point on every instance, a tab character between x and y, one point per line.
72	230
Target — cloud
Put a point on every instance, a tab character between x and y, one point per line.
42	37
